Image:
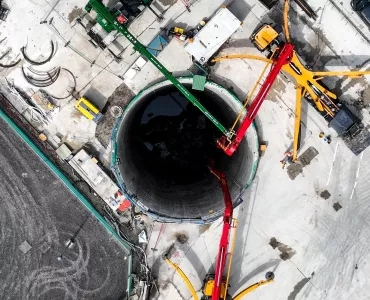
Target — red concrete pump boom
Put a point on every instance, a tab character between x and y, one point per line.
281	58
224	242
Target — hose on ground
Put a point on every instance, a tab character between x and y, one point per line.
39	63
44	79
7	66
73	88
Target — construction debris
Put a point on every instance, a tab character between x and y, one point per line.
337	206
6	54
304	159
4	11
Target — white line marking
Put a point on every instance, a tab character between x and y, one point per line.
332	166
359	164
353	190
331	170
336	149
357	173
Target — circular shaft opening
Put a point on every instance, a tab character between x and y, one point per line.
164	144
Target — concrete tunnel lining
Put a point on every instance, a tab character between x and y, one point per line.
199	201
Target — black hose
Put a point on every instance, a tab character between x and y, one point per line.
51	77
48	78
41	73
5	54
45	74
10	65
72	90
38	63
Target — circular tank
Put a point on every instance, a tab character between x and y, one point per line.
162	145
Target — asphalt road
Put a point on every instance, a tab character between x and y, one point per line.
36	207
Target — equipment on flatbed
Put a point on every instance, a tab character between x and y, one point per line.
182	34
89	110
308	86
112	22
178	33
215	285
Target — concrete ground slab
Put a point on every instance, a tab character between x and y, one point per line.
327	249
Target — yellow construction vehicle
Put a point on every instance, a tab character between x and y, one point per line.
309	85
88	109
208	287
264	37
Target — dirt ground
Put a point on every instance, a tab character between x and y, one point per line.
51	246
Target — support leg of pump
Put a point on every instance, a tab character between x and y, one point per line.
269	278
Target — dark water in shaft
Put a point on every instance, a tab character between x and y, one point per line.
174	138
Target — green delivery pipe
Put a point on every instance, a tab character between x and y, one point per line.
104	13
79	196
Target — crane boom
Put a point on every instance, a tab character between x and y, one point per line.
224	241
283	57
112	21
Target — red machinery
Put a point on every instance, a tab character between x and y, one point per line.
280	58
215	285
218	282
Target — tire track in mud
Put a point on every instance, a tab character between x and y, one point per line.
36	207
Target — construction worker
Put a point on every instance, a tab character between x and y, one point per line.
286	159
327	139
